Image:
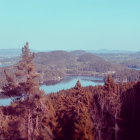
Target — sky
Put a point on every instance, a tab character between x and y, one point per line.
70	24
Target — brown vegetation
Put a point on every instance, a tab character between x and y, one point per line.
109	112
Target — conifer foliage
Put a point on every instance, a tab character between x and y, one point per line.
32	116
24	81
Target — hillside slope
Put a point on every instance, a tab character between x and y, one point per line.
55	65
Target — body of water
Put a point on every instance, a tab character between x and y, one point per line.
4	102
4	65
70	81
66	83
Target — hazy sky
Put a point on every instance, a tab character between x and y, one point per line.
70	24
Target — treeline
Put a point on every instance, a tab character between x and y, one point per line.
126	75
109	112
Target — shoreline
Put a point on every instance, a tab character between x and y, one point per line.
53	82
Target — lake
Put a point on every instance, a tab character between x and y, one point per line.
4	102
70	81
66	83
4	65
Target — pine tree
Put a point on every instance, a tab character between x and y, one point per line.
78	85
26	68
24	81
83	127
110	85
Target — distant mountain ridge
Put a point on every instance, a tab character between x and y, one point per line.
106	51
78	52
15	52
10	52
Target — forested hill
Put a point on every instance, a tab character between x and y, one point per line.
64	58
55	65
85	62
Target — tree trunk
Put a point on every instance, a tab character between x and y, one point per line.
29	125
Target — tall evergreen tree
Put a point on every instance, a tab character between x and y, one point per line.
23	82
